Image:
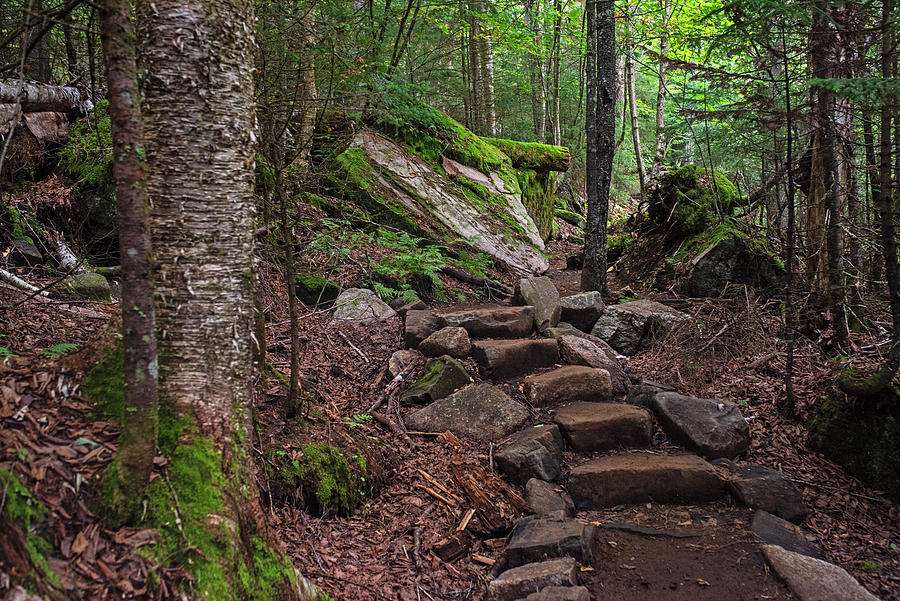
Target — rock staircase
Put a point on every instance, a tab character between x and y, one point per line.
550	388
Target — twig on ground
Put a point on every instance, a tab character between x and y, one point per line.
353	346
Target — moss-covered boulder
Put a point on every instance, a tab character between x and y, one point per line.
88	286
314	290
690	199
863	438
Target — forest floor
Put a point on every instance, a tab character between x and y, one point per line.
384	551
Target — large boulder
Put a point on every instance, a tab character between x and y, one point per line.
541	294
479	411
629	327
690	199
812	579
88	286
713	428
531	453
582	310
731	258
492	321
25	254
359	305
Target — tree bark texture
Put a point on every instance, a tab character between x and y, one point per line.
554	112
600	79
37	97
137	446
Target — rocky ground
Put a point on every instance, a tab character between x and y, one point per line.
651	495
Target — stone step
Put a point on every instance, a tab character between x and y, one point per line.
812	579
642	477
534	452
578	350
418	325
706	426
523	580
571	383
500	359
441	377
603	426
760	487
545	498
560	593
493	321
539	538
478	411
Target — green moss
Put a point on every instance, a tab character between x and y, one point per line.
865	439
531	155
313	289
538	195
18	225
321	479
570	217
692	198
870	565
104	384
27	513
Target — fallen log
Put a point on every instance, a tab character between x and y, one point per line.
37	97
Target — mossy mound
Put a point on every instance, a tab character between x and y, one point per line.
319	478
21	520
314	289
864	439
690	199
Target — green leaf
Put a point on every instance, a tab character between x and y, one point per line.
57	350
85	441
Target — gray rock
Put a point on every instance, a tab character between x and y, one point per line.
763	488
478	411
25	254
545	498
813	579
534	452
641	477
731	260
441	377
712	428
602	426
404	308
539	538
418	325
570	383
582	310
401	360
520	581
576	350
773	530
562	329
447	341
541	294
560	593
359	305
510	358
642	394
89	286
630	327
492	321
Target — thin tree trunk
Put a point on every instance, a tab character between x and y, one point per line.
600	65
130	472
632	107
660	154
535	70
555	118
71	51
475	70
788	407
37	65
486	66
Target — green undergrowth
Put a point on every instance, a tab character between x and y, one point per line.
538	195
104	384
320	479
692	199
27	514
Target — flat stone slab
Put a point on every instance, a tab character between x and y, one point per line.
561	593
773	530
571	383
539	538
582	310
447	341
641	477
576	350
441	378
813	579
532	577
419	324
602	426
545	498
712	428
629	327
478	411
540	293
760	487
492	321
534	452
509	358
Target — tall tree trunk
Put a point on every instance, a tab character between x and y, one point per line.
536	69
486	67
600	80
476	69
129	474
37	65
555	118
789	405
71	50
199	129
632	107
660	154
